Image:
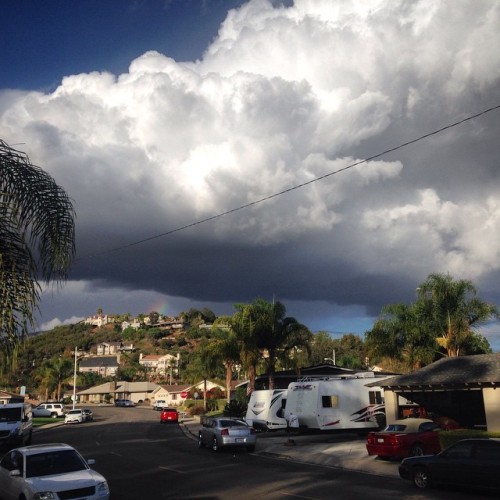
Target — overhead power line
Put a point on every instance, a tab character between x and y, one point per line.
294	188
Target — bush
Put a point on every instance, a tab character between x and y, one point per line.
196	410
235	409
447	438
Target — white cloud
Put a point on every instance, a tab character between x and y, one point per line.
282	96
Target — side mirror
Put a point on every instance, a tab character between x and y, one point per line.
90	461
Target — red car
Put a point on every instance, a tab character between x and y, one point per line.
405	438
169	415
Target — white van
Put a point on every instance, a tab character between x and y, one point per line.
16	426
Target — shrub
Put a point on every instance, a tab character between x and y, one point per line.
235	409
196	410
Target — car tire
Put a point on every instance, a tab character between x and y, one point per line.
53	415
201	444
421	478
215	445
417	450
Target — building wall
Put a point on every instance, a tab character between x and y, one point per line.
391	406
491	398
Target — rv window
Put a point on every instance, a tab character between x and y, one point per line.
330	401
375	398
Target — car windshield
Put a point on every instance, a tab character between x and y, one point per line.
75	412
10	414
54	462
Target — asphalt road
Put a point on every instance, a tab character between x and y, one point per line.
143	459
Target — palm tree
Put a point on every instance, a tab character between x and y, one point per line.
223	345
37	241
276	334
453	310
243	325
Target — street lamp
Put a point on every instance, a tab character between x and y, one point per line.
74	378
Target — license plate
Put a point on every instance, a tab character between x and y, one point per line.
240	440
380	440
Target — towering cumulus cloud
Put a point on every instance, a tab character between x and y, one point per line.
282	96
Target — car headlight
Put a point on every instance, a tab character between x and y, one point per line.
44	495
102	489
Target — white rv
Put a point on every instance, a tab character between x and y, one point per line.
266	409
337	403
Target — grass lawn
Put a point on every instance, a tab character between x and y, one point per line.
39	421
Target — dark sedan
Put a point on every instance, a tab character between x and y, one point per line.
473	463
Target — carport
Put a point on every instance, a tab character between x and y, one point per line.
465	389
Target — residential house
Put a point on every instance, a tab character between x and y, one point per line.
10	397
160	364
106	366
98	320
110	348
175	395
137	392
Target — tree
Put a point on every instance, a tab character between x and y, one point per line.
37	241
401	335
453	310
275	334
223	345
441	322
242	324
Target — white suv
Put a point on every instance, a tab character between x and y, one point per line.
52	410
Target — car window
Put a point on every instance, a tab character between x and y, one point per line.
459	450
487	450
54	462
427	426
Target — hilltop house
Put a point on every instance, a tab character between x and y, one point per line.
160	364
109	348
106	366
98	320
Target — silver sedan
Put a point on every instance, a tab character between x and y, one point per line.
221	432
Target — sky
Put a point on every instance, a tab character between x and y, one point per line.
222	150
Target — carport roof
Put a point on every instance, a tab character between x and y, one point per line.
463	371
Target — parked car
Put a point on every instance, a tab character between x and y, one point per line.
50	471
405	438
74	417
124	402
169	415
52	410
88	415
221	432
474	463
159	404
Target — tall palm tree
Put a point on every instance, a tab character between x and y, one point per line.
223	345
243	325
276	334
37	241
453	309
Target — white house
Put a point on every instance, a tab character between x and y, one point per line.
159	363
175	395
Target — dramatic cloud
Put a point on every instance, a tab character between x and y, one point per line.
283	96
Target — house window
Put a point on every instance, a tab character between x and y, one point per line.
174	397
330	401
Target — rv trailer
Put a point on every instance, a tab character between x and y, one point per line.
266	409
337	403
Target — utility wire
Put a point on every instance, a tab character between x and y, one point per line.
294	188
